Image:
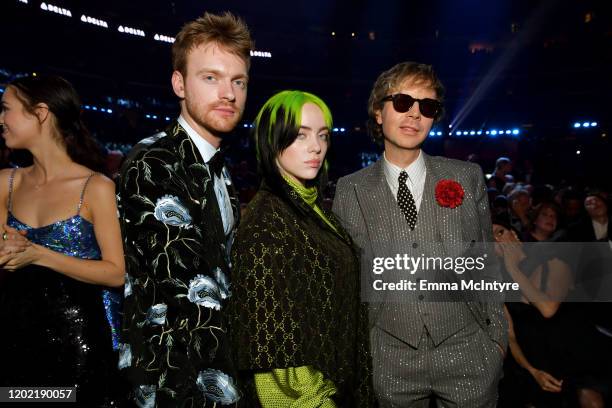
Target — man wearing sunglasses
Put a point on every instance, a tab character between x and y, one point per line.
425	344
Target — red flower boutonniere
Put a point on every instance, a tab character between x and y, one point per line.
449	193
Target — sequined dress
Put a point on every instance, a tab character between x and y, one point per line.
55	329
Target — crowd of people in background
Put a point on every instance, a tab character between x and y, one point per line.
559	347
537	369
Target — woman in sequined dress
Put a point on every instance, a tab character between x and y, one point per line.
60	247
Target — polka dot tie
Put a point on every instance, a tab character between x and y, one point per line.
406	201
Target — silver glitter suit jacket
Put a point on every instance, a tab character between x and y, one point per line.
368	210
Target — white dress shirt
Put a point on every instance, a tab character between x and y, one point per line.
207	151
601	230
416	177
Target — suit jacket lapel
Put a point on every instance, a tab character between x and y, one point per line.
200	182
373	193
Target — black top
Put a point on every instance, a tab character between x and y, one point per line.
296	295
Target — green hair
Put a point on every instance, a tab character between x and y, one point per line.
276	127
290	104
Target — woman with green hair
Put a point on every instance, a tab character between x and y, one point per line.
298	326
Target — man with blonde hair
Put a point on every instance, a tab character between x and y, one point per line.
425	344
178	212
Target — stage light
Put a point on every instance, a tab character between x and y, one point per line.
102	110
163	38
87	107
333	33
494	132
167	118
450	126
472	133
508	132
94	21
586	124
109	111
23	1
54	9
578	152
593	124
439	133
487	132
577	125
458	133
148	116
515	131
262	54
432	133
246	125
479	132
132	31
342	129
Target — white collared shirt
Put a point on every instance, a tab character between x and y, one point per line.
601	230
416	177
207	151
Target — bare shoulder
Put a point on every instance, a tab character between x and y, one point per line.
5	175
4	182
4	178
100	192
100	186
557	265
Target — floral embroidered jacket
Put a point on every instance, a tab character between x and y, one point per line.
177	259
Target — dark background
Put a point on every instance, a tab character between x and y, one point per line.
537	66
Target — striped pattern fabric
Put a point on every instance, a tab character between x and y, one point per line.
420	346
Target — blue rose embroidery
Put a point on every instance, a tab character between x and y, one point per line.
204	291
145	396
157	314
217	386
224	285
226	177
127	288
171	211
125	356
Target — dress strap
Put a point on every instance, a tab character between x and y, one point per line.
10	190
83	193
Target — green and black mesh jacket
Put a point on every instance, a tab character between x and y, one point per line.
295	296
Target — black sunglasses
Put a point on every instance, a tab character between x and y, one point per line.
402	103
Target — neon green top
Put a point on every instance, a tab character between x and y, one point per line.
309	195
294	387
